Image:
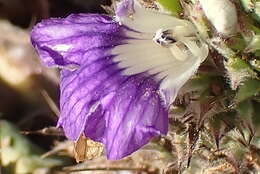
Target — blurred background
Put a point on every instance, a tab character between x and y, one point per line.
24	82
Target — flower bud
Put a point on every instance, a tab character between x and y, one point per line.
222	15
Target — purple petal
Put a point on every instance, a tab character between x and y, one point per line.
122	111
63	42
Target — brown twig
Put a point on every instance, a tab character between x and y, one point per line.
67	169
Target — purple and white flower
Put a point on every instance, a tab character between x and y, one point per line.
118	75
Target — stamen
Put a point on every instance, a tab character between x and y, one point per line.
181	43
164	37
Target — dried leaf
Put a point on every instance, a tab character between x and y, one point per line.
86	149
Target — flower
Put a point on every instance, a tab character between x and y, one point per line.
118	75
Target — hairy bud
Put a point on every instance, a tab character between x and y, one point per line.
222	14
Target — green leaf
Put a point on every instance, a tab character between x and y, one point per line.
237	43
254	28
245	109
171	5
239	64
252	7
203	81
254	44
256	118
250	88
257	11
257	53
248	5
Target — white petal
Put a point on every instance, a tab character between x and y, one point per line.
149	21
176	76
172	64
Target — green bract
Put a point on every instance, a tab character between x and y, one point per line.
171	5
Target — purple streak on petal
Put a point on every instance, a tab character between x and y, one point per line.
134	117
123	112
125	8
62	42
126	110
